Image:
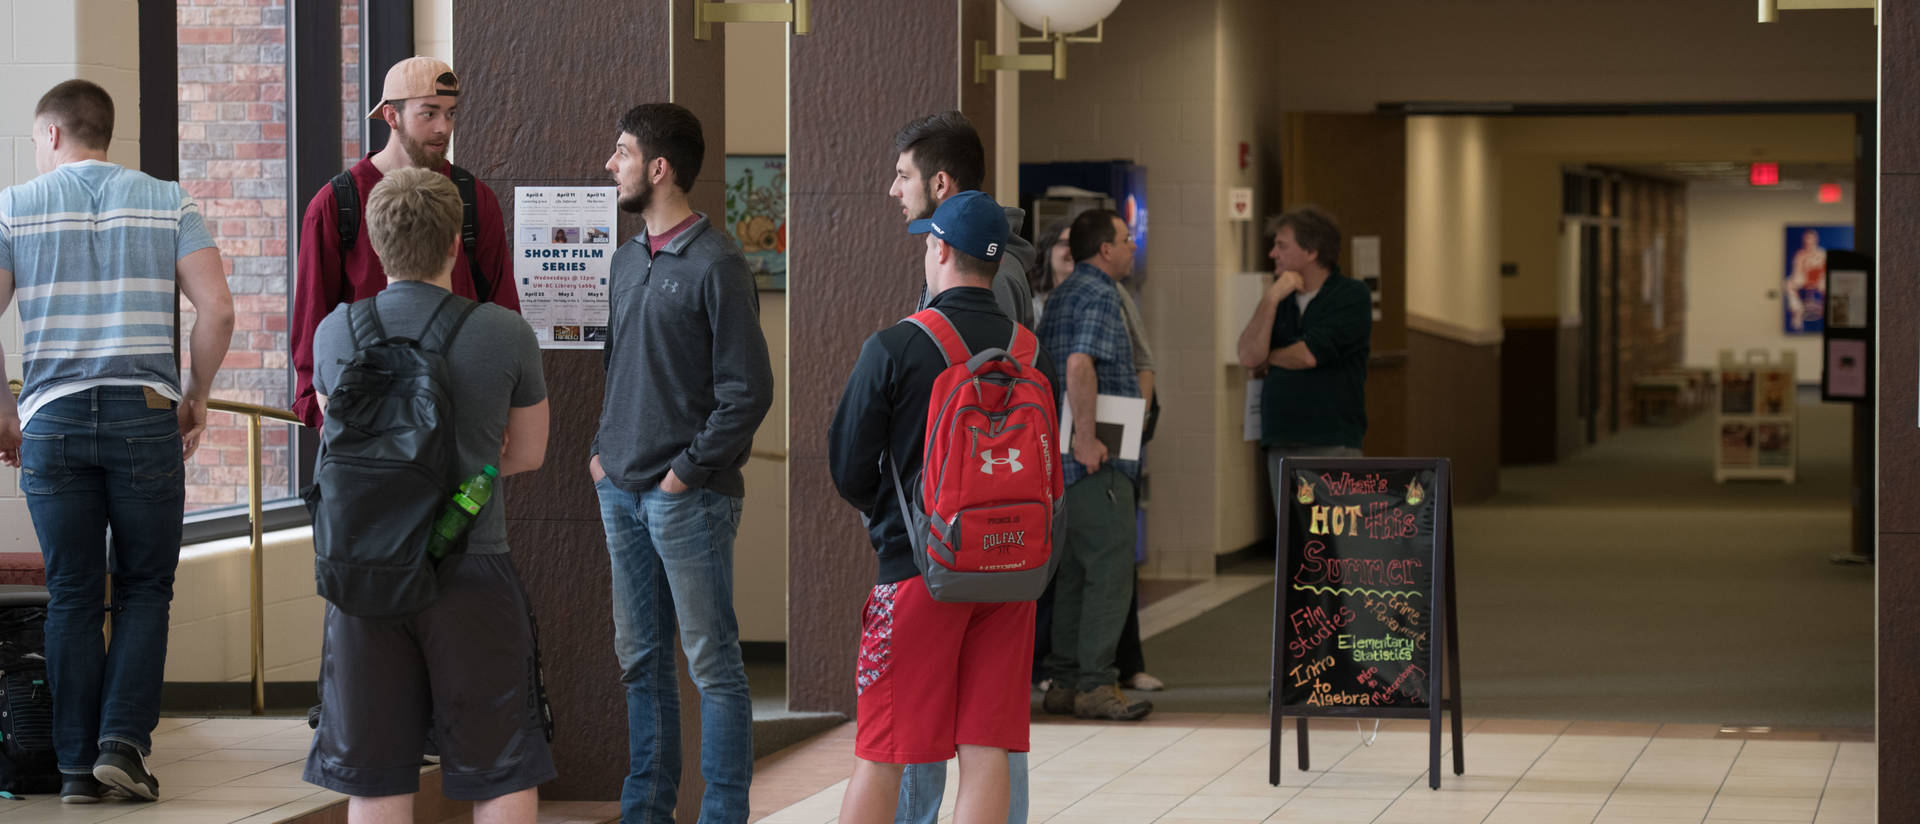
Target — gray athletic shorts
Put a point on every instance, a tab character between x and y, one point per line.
465	665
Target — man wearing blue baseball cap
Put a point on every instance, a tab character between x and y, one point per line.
934	678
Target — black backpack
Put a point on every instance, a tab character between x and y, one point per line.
27	762
388	462
346	200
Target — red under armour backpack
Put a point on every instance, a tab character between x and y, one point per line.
991	479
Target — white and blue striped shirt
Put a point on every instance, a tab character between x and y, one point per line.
92	247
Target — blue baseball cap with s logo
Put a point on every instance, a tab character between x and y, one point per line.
969	221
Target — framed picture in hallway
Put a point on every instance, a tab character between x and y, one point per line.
757	215
1803	288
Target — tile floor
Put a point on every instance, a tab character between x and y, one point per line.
1199	769
1173	769
211	770
244	770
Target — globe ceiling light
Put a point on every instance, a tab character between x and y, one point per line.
1060	16
1057	21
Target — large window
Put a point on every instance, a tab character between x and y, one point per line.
233	153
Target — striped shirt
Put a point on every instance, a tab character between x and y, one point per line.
92	247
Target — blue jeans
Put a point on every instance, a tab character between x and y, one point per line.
673	562
922	785
92	461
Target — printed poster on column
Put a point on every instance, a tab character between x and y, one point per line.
562	253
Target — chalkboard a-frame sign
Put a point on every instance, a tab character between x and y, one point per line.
1365	564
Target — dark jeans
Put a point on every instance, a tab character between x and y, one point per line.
92	461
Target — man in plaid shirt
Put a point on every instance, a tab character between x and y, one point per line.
1085	328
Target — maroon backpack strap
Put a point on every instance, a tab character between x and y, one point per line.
1024	348
935	324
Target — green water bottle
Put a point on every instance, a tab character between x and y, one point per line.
460	511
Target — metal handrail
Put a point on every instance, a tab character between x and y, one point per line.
256	546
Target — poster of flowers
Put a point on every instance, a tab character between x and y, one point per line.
757	215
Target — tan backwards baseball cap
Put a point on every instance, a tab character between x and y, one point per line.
416	77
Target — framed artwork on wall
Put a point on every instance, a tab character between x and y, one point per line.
757	215
1803	289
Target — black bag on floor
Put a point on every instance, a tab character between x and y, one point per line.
27	762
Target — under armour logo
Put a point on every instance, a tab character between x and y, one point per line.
1012	460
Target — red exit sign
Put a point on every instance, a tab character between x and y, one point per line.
1764	174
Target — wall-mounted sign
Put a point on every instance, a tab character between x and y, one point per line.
1240	203
562	253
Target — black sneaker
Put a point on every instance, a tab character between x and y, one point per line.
121	765
81	789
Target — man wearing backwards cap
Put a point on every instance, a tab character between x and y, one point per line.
418	103
917	703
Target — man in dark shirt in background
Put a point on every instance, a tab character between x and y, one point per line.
1310	336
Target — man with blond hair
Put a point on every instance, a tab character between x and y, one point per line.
466	664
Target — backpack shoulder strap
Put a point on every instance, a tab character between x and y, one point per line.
346	204
470	229
935	323
1024	348
363	320
443	326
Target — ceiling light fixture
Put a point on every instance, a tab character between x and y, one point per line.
1058	22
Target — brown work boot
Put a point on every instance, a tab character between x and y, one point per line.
1108	703
1060	699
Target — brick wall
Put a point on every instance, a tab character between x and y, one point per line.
233	159
1651	210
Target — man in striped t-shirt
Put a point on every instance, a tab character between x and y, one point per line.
94	251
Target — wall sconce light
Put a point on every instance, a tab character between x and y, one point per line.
1058	22
708	12
1770	9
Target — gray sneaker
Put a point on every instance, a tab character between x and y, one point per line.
121	765
1108	703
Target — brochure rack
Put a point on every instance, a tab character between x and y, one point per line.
1756	434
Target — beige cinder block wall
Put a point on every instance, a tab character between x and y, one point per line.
42	44
1149	94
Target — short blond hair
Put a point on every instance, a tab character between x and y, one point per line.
413	217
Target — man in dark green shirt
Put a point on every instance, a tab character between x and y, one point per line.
1310	337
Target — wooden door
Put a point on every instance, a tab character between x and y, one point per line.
1355	167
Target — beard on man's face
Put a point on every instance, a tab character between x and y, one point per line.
417	151
641	198
926	202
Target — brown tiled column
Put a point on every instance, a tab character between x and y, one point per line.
866	70
543	88
1898	316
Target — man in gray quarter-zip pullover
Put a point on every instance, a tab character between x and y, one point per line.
688	382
